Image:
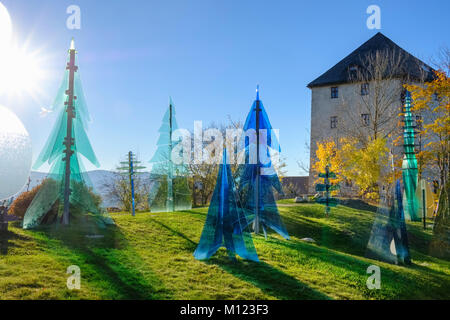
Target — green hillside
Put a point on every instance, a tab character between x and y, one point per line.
150	257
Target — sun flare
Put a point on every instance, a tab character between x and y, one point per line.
20	68
20	72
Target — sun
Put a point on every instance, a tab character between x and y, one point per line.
20	72
20	68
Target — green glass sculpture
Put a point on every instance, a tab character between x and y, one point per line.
66	194
409	164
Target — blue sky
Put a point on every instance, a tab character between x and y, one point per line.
209	56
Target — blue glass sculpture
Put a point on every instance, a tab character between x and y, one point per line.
225	222
257	178
388	239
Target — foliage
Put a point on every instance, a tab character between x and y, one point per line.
80	191
23	201
120	190
432	99
327	153
290	189
364	165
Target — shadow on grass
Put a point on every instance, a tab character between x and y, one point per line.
192	244
396	281
6	241
269	279
359	205
328	236
106	260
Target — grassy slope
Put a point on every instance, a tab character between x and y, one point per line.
150	257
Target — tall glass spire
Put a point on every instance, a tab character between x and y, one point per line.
169	188
409	165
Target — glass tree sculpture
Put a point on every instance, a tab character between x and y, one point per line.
169	187
257	178
388	239
409	164
225	223
66	192
326	188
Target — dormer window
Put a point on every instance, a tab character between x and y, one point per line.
353	72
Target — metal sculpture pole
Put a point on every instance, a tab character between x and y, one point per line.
3	213
131	172
170	199
326	188
256	221
130	168
68	140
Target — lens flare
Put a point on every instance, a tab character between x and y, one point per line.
20	69
5	27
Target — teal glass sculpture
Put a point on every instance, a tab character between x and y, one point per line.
169	187
66	193
409	165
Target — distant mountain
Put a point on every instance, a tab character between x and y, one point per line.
100	180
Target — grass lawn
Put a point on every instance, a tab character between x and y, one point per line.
150	257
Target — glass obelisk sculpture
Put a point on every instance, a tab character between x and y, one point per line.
388	239
169	188
66	192
409	165
257	177
225	223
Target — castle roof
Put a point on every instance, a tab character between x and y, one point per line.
339	73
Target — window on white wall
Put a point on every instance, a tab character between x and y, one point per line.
365	117
333	122
334	92
364	89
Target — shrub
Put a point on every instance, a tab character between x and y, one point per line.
22	202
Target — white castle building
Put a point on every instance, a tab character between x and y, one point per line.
351	98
